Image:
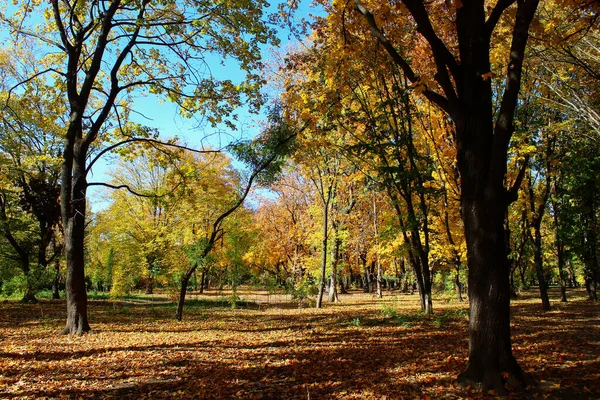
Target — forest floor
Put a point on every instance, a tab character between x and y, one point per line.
361	348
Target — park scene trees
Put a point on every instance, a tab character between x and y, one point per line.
394	169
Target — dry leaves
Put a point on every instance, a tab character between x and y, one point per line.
347	351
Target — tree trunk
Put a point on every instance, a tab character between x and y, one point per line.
367	276
572	277
376	237
482	143
379	281
562	274
150	281
539	268
522	266
333	295
324	254
29	296
150	285
458	286
182	293
202	278
490	351
73	207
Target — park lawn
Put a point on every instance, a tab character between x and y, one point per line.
362	348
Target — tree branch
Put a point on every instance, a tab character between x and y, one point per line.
431	95
130	190
513	192
504	123
495	15
147	140
444	59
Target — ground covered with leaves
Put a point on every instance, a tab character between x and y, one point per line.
270	349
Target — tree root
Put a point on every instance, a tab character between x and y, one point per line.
500	383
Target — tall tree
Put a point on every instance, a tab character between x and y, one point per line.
104	53
459	40
30	138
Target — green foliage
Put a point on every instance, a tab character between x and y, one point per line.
389	310
266	154
38	278
234	299
303	291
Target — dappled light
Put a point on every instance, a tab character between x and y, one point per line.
361	348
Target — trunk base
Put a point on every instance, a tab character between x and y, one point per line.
77	330
77	326
29	298
496	379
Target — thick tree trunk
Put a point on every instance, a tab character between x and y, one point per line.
490	351
482	143
484	200
590	288
73	204
29	297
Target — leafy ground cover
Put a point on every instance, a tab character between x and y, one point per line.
270	349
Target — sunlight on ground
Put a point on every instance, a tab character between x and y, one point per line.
361	348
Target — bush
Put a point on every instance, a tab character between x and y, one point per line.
303	291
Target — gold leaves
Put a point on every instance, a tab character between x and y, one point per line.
218	353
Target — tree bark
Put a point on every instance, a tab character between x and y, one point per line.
490	351
376	234
458	287
333	294
323	253
202	280
539	268
73	204
182	293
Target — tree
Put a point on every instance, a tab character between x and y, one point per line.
369	114
284	226
104	53
30	139
461	87
265	156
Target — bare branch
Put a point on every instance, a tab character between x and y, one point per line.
130	190
146	140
